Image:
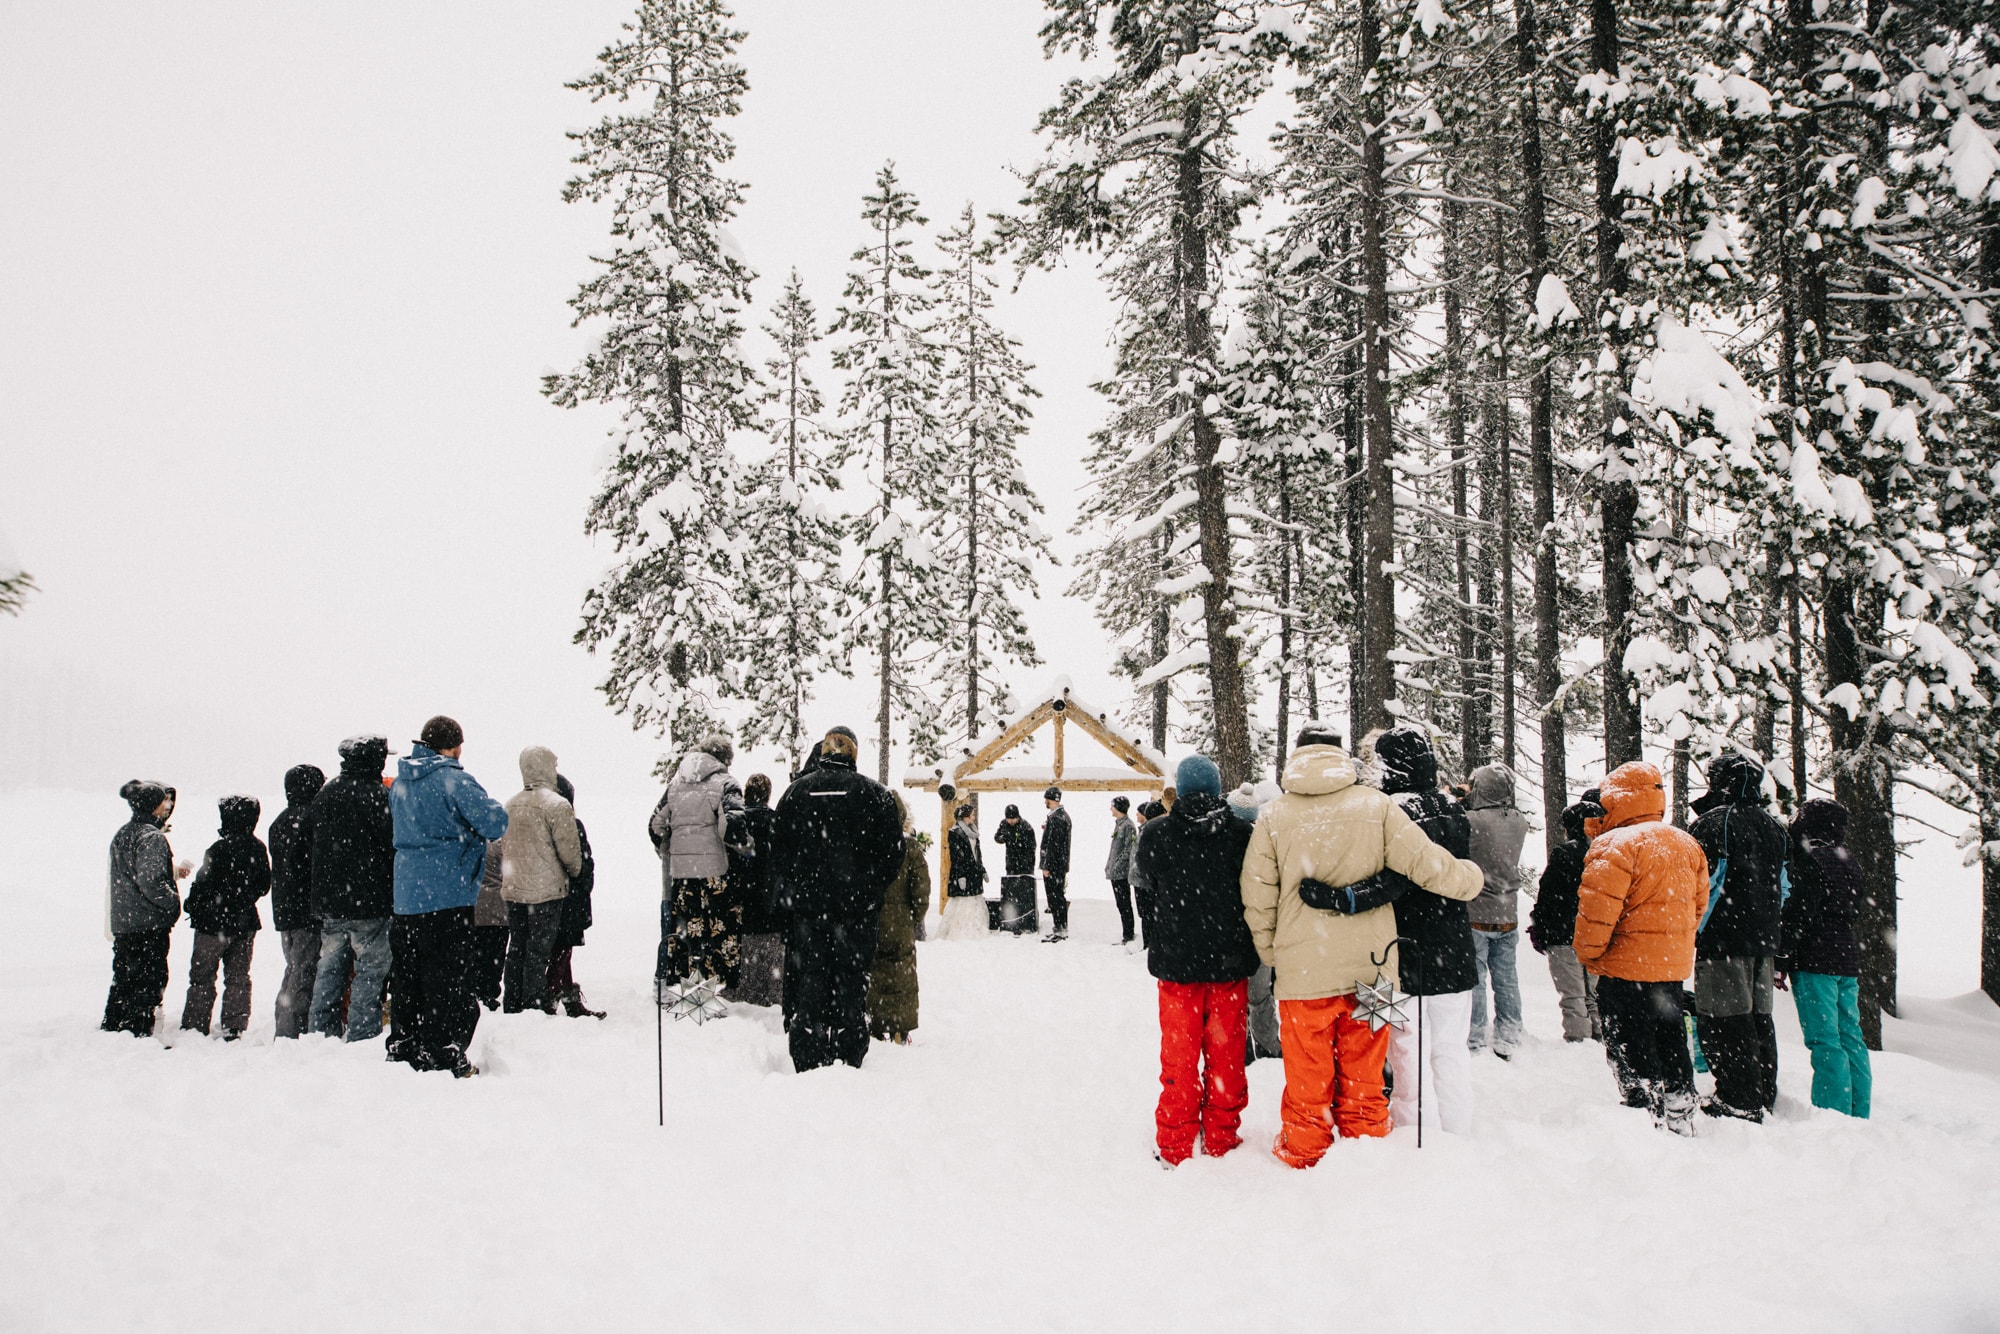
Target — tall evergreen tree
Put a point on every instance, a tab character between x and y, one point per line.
891	409
792	571
990	535
670	296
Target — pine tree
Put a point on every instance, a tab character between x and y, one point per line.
793	569
671	296
891	405
990	535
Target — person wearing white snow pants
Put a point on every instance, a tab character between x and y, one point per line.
1447	1070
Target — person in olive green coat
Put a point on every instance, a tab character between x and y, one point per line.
892	978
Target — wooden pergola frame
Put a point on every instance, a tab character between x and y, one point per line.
971	774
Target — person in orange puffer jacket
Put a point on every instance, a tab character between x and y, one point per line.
1644	889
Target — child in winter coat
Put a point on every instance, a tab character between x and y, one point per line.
1199	949
222	909
1552	922
1644	888
576	918
1823	958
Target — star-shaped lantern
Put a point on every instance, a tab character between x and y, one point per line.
1380	1004
698	999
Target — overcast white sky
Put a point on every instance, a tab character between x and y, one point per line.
279	284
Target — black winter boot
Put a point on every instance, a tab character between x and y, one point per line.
573	1006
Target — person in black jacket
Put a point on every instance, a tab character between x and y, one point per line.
1552	922
560	984
353	842
753	882
222	909
292	914
1017	876
1822	957
145	902
839	842
1738	941
1198	947
1434	952
1055	864
1142	891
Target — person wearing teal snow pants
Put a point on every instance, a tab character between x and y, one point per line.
1830	1014
1824	958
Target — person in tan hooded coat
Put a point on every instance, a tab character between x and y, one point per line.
1327	830
539	853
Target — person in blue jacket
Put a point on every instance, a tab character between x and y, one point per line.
444	820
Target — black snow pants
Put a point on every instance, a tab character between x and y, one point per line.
1645	1039
489	963
1121	894
826	988
138	980
431	968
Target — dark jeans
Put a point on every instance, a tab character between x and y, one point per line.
826	985
435	1013
1121	894
138	980
531	938
295	993
1645	1037
489	962
1054	886
1739	1038
232	953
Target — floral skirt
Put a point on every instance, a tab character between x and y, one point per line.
707	934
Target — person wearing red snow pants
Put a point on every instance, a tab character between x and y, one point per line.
1199	948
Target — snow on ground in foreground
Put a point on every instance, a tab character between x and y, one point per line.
995	1175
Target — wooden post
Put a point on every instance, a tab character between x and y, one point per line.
1059	747
947	799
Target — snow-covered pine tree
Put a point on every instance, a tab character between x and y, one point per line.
670	297
990	540
890	406
792	571
1143	157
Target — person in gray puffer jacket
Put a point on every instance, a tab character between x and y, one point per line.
145	903
1498	831
539	853
696	823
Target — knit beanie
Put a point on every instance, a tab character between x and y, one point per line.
441	734
1198	774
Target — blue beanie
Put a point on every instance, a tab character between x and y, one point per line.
1197	773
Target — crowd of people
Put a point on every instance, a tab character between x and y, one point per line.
1280	922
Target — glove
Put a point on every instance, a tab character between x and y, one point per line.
1781	980
1328	898
1535	937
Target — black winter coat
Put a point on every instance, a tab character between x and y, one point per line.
1746	916
353	847
1826	895
291	852
1435	958
1552	921
234	874
968	868
1193	859
839	842
576	915
1019	840
1055	843
753	876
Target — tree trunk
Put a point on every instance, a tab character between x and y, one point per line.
1620	497
1989	881
1356	463
1161	690
1541	443
1471	750
1228	699
1506	572
1285	606
1861	782
888	651
1378	675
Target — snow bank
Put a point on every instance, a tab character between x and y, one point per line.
994	1175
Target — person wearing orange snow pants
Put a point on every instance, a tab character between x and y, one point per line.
1330	829
1199	948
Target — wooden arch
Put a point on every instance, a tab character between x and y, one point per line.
1142	771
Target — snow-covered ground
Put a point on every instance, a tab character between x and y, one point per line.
994	1175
